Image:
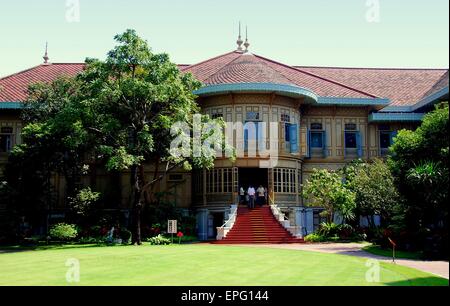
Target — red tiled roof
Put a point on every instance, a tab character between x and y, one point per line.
14	88
247	69
238	67
404	87
440	84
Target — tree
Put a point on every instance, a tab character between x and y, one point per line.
119	113
374	188
419	163
54	140
139	97
325	189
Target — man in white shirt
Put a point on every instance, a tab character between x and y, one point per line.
251	193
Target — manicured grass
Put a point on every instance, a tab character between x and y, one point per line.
197	264
377	250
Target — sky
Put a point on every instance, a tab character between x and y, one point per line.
346	33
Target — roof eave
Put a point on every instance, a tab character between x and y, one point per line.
431	99
288	90
395	117
281	89
11	105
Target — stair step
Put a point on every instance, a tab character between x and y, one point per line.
257	225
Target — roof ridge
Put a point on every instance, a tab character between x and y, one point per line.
371	68
319	77
208	60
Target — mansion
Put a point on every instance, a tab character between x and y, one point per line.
326	117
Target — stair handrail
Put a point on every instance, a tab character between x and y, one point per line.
283	219
223	230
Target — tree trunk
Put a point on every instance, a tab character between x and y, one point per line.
137	183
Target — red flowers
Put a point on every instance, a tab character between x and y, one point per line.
180	234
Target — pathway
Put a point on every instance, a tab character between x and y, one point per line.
440	268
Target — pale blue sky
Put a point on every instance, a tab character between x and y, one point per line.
411	33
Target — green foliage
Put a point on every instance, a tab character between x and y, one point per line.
117	113
315	238
374	188
159	240
335	232
84	201
420	165
329	229
63	232
325	189
125	235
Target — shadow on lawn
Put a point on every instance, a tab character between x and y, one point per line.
421	281
18	249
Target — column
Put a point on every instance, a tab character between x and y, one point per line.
299	213
309	220
202	223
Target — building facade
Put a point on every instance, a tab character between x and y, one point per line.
305	117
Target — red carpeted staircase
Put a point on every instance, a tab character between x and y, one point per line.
257	225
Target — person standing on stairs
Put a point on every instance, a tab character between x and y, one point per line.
261	197
241	195
251	193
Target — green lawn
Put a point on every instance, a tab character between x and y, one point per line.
197	264
377	250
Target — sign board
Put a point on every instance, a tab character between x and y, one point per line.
392	242
172	227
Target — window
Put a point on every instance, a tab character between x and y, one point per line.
252	116
284	180
251	133
287	132
316	126
350	127
219	180
6	139
316	139
217	116
285	118
385	140
350	140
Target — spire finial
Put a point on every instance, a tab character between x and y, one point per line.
247	44
239	41
46	58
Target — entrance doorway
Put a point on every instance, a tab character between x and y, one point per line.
254	177
215	220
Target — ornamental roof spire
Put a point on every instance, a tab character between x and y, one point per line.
246	44
239	41
45	57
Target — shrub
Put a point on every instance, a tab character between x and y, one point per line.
125	235
159	240
314	238
63	231
83	202
328	229
189	239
